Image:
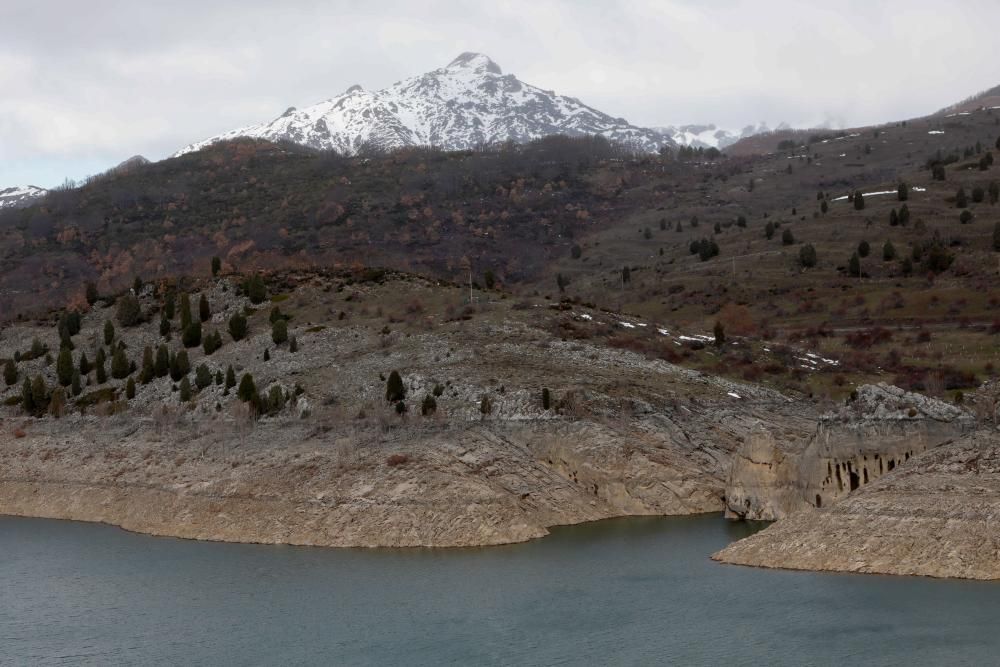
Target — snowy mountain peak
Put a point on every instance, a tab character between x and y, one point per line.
476	62
20	196
467	103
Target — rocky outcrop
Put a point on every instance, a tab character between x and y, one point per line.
772	477
938	515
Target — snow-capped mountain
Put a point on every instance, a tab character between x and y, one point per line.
710	136
468	103
20	196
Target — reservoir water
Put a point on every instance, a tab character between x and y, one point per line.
622	592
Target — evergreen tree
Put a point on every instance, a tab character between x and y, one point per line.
546	398
10	372
64	367
127	311
39	395
119	365
165	327
202	376
279	332
185	394
293	344
394	388
137	285
256	289
27	398
429	406
859	201
230	378
204	311
903	192
893	218
109	332
247	390
769	230
84	364
961	201
978	195
996	237
888	252
904	215
162	365
218	378
937	171
185	310
824	207
192	334
65	339
238	327
170	305
75	385
267	354
148	371
966	217
216	266
275	399
90	293
854	266
626	275
102	373
130	389
787	238
994	192
864	249
179	365
807	256
720	334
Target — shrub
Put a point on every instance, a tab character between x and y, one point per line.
130	389
400	408
965	217
864	249
230	378
769	230
255	289
216	266
854	266
394	389
859	201
888	252
961	201
903	192
429	406
396	460
90	293
787	238
978	195
485	406
293	344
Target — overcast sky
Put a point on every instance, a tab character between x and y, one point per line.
84	85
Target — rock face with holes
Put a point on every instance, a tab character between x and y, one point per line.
938	515
774	476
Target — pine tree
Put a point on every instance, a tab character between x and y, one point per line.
179	365
787	238
39	395
185	311
893	218
75	385
90	293
904	215
824	207
204	311
864	249
769	230
84	366
148	371
279	331
238	327
996	237
130	389
256	289
119	365
275	399
961	201
216	266
109	332
888	252
903	192
293	344
218	378
165	327
394	388
127	311
192	334
267	354
546	398
170	305
162	365
720	334
102	373
230	378
185	393
429	406
807	256
10	372
247	390
859	201
202	376
64	367
27	398
854	266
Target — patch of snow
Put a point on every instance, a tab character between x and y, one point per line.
734	394
935	132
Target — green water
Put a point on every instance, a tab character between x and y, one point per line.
623	592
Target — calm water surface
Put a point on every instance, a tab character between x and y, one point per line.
631	591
